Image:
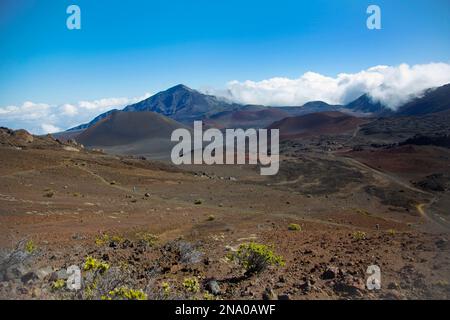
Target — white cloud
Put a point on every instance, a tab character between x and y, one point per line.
42	118
49	128
392	86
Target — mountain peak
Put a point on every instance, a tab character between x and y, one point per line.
366	104
180	87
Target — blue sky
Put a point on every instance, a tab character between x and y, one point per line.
129	48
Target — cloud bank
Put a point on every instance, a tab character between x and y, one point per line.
390	85
42	118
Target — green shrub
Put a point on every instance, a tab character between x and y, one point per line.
92	264
148	238
211	217
124	293
102	240
58	284
208	296
359	235
255	257
191	285
294	227
198	201
391	232
30	247
165	289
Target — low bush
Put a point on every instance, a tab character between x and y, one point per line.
92	264
191	285
359	235
124	293
30	247
294	227
255	257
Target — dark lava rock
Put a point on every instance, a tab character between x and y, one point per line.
330	273
30	276
213	287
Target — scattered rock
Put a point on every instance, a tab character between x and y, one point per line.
213	287
28	277
59	275
15	272
393	285
36	293
78	236
268	294
43	273
330	273
441	243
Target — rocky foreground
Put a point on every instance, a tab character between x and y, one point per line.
142	230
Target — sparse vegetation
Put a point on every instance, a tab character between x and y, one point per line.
165	289
294	227
359	235
191	285
198	202
92	264
124	293
105	239
363	212
30	247
392	232
443	284
102	240
148	238
255	257
117	239
208	296
49	194
211	217
58	284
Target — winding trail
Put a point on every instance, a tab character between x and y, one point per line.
421	207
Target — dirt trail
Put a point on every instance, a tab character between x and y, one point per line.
432	217
385	176
429	217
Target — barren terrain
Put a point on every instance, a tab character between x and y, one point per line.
156	225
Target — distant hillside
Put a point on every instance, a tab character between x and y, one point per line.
316	124
251	116
143	133
93	121
397	129
432	101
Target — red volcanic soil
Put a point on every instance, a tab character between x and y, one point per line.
406	159
121	128
246	118
332	122
257	115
